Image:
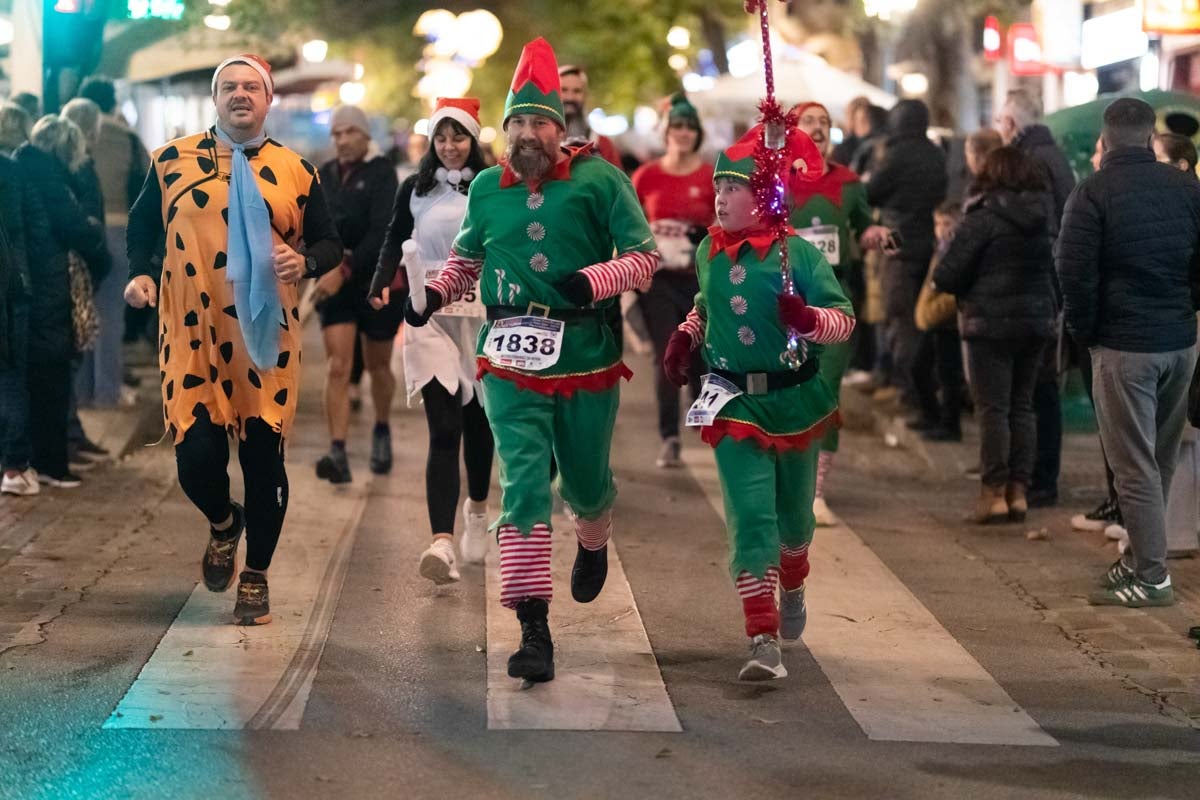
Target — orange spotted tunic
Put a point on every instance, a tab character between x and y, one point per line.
202	355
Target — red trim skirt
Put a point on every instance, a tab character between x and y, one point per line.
740	431
565	385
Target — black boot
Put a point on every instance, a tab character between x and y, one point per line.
589	573
535	660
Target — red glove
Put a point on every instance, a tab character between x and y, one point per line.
796	314
678	358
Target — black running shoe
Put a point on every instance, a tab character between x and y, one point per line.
220	556
334	467
381	451
89	449
589	573
534	661
253	600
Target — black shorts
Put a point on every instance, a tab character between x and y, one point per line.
350	306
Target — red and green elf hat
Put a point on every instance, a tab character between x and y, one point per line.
535	86
737	160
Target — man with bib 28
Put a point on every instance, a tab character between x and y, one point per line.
539	236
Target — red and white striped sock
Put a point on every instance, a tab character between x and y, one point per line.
594	533
793	566
758	602
824	463
524	564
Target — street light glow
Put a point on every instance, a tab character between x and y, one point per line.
886	10
914	84
314	51
218	22
352	93
679	37
678	62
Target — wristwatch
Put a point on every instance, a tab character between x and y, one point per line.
310	267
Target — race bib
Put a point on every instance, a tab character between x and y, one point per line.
469	305
825	238
675	250
526	343
715	394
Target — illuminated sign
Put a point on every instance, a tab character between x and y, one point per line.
1112	38
992	40
1024	50
155	9
1171	16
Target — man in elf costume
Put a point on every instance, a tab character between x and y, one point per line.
830	213
539	236
765	421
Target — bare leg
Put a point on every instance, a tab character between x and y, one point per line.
377	358
339	347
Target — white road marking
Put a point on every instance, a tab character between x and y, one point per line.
606	676
900	674
207	673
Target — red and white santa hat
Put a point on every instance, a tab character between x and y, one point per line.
463	110
257	63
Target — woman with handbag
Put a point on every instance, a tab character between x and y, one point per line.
62	315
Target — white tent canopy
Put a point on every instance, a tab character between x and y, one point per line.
808	79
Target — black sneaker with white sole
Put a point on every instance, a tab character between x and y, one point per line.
220	556
253	600
1099	518
64	480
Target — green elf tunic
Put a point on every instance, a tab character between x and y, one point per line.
523	242
763	443
838	200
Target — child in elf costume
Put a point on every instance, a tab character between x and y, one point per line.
766	420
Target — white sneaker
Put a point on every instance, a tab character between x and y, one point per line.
669	455
1116	533
856	377
824	517
766	660
438	563
24	483
474	542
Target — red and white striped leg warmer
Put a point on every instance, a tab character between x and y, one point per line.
793	566
524	564
758	602
824	463
594	533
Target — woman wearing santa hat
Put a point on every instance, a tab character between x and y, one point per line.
439	358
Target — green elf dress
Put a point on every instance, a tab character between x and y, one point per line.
523	242
763	439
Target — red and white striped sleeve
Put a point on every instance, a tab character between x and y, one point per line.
833	326
457	277
623	274
693	326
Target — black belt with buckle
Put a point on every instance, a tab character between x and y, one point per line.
758	383
567	315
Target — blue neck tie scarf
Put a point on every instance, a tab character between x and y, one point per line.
250	265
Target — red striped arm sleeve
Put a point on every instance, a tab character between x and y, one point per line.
623	274
693	326
833	325
456	278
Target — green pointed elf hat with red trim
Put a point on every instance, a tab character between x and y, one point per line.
535	86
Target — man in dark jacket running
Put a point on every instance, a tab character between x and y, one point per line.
1020	125
907	185
1127	262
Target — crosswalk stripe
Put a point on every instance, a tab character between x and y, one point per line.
209	674
900	674
606	676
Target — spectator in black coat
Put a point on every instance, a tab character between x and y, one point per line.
999	267
906	185
56	149
1020	125
26	238
1128	259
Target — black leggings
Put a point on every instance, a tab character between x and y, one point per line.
203	459
450	422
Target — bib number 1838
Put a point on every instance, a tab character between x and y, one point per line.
528	343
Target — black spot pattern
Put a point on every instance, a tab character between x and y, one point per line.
167	273
198	410
207	143
301	200
255	381
178	241
169	180
191	381
190	269
231	311
195	343
225	215
221	260
212	334
166	353
191	319
205	299
170	153
227	387
206	164
309	168
170	389
227	351
171	214
284	357
281	396
268	175
212	373
295	313
200	197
